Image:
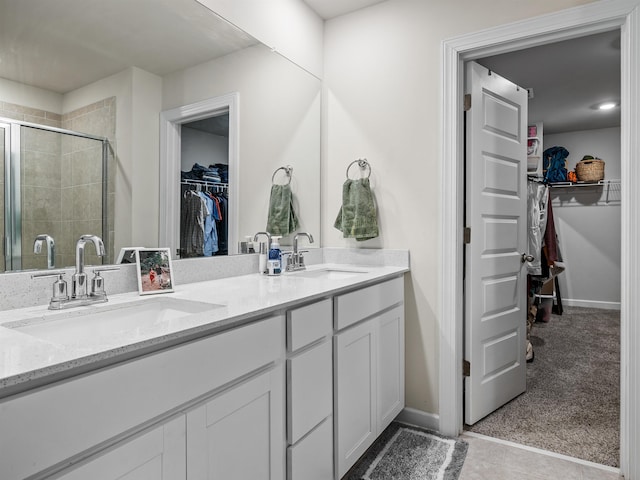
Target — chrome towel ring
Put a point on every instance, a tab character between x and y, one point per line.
363	163
288	170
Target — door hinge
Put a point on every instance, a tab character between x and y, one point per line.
467	235
467	102
466	368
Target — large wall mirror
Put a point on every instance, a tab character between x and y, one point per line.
84	83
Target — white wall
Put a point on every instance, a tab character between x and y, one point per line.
202	148
289	27
21	94
588	225
381	100
279	125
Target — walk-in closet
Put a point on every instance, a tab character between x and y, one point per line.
572	402
204	187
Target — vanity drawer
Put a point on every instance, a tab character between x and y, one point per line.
307	324
352	307
309	390
53	423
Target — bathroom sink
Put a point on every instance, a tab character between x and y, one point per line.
329	273
92	326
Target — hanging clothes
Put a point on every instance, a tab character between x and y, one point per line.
203	220
192	224
210	240
537	202
222	225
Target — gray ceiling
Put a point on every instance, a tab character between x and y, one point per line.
62	45
218	125
568	79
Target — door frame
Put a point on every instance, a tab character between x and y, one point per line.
575	22
170	142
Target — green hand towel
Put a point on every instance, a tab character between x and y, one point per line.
357	217
282	218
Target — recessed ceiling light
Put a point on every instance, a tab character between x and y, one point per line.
607	106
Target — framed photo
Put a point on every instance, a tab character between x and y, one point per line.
155	274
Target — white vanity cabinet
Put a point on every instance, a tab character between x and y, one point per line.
310	392
239	434
109	414
158	454
368	367
298	395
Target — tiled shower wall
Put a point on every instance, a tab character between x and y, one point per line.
82	177
62	180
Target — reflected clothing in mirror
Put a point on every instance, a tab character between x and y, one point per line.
203	230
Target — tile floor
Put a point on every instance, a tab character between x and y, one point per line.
488	459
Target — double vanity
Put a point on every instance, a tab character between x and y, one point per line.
246	377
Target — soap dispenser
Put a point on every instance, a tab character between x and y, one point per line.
274	263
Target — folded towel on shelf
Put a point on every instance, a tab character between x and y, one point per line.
282	217
357	217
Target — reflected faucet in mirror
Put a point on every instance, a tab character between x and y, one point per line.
51	248
266	234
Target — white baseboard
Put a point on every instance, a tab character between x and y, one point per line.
572	302
418	418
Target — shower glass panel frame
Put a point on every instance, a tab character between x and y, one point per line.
13	211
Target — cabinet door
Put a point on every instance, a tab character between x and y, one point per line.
239	434
390	366
355	392
155	455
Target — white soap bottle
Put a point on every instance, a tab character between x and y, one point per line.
262	258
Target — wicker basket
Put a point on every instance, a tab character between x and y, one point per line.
590	170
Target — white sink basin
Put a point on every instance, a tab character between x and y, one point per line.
329	273
106	325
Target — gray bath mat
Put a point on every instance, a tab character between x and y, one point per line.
404	452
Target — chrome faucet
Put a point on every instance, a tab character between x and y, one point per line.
79	295
79	278
51	248
296	259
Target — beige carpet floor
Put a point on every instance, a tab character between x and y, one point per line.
572	402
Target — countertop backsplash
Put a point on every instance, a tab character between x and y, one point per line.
19	290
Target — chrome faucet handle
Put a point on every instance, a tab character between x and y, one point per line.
97	282
301	265
103	268
288	265
54	273
59	288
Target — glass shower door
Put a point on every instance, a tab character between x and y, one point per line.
52	182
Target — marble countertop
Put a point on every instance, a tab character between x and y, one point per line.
27	361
